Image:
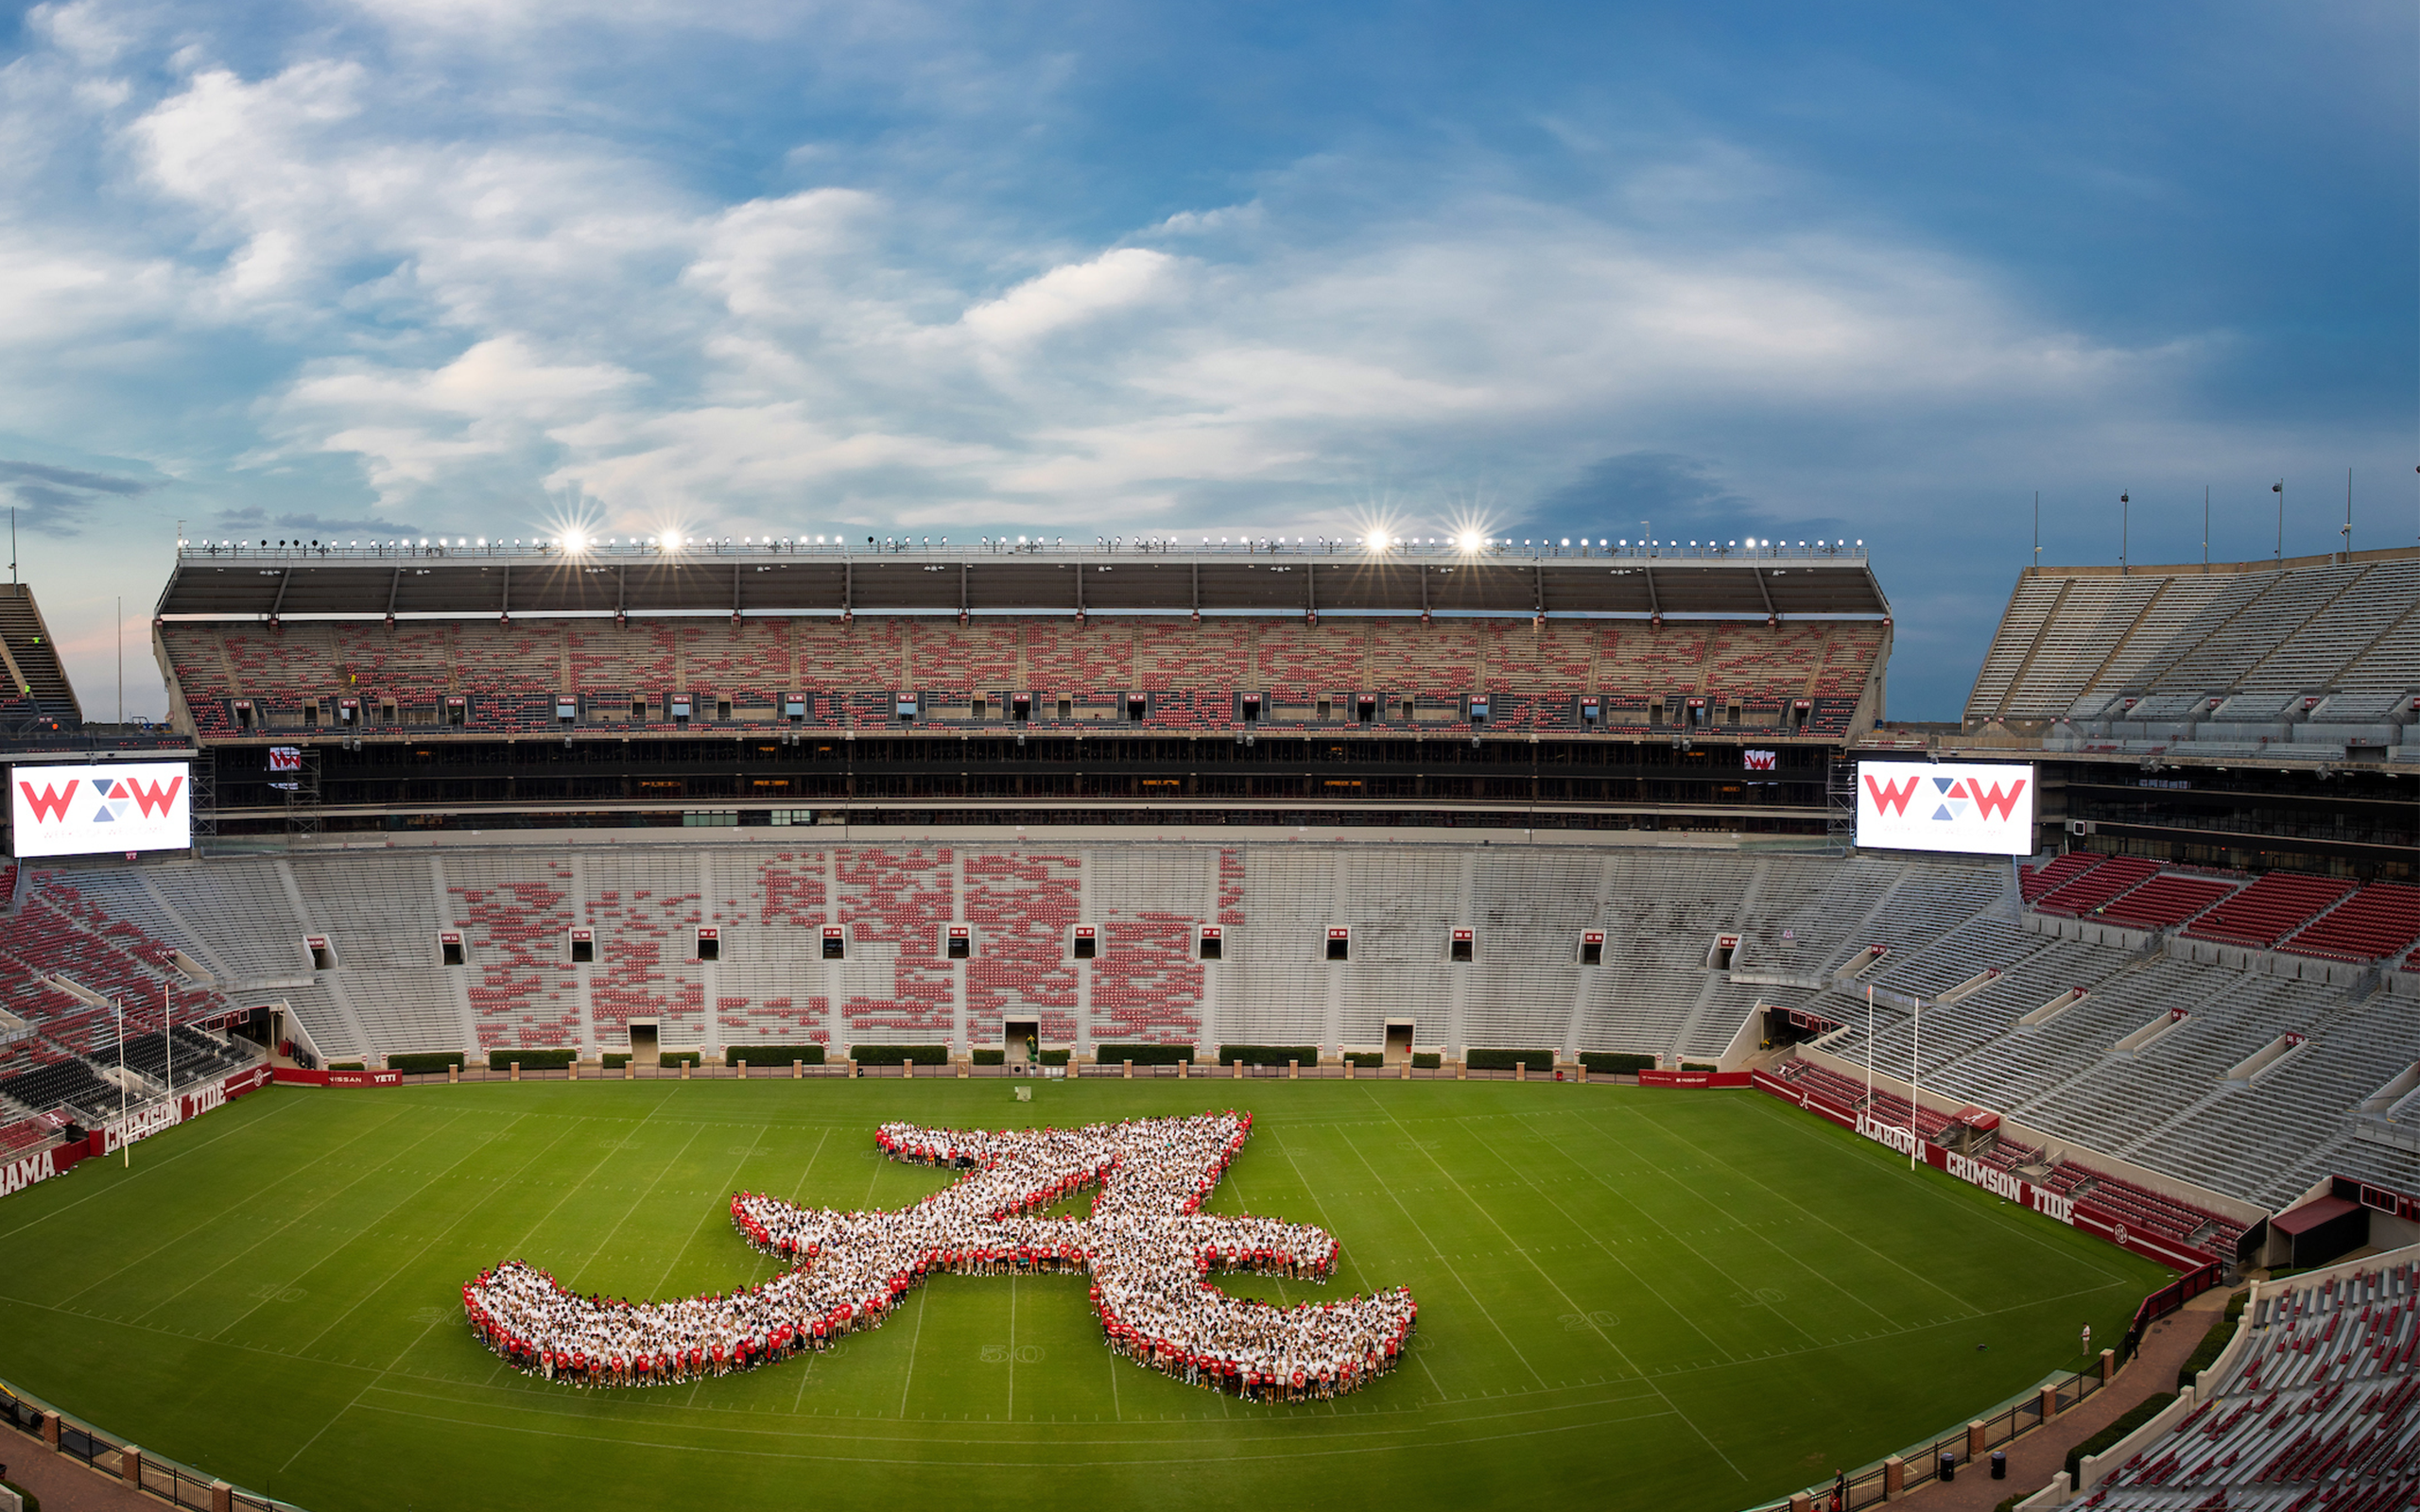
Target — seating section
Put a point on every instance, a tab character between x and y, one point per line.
59	1070
2143	1207
2167	901
2080	645
2319	1408
2087	893
1022	911
510	676
900	902
2269	910
2178	1105
2379	920
519	932
1147	987
2035	881
646	964
2140	1206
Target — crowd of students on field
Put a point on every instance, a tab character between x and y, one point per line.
1147	1244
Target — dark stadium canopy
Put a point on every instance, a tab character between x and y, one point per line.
249	582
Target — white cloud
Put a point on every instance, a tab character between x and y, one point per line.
84	29
1075	293
412	429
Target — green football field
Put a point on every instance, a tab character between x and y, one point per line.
1681	1300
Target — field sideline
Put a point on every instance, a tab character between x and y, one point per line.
1683	1299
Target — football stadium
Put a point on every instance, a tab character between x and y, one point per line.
626	1023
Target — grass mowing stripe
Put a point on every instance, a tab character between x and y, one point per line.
193	1280
1805	1128
215	1137
407	1351
219	1214
1752	1229
1669	1232
1558	1290
1139	1435
1790	1202
1052	1450
1451	1269
657	1289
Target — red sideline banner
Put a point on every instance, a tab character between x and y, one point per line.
169	1112
1696	1078
2000	1184
296	1075
23	1172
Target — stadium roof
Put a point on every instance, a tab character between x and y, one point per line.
245	581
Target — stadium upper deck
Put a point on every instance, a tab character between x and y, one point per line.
2243	715
2249	649
1525	656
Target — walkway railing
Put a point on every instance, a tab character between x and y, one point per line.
178	1484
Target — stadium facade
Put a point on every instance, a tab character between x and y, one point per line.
757	684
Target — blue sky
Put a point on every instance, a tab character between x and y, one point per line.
475	266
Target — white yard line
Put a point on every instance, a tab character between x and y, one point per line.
913	1340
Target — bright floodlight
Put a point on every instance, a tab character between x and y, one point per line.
575	542
1378	540
1470	543
669	540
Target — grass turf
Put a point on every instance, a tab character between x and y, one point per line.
1684	1300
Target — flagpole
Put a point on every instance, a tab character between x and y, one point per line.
168	1038
1869	1050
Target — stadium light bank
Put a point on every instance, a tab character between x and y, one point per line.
1456	547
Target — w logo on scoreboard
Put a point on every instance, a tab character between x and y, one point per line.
59	811
1936	806
1761	761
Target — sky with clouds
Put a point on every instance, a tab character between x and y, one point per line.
485	266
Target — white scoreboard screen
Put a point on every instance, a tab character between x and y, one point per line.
67	810
1941	806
